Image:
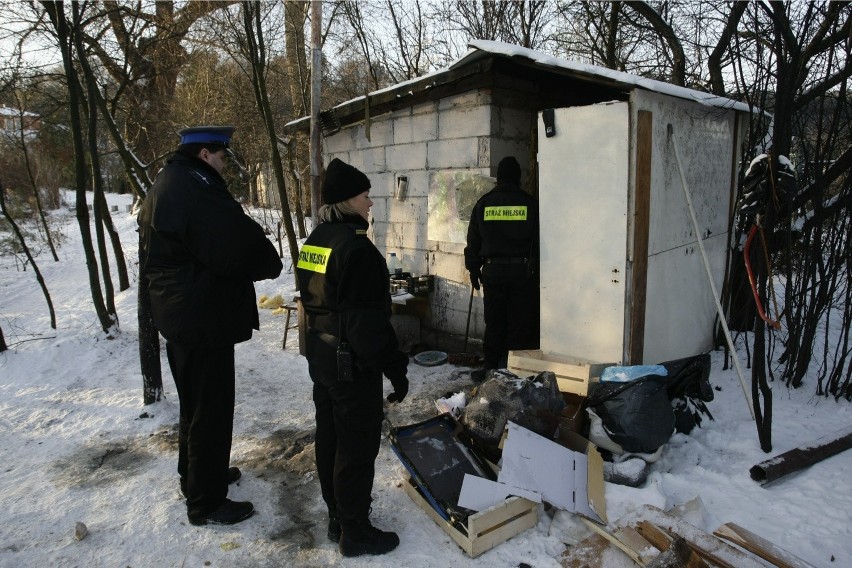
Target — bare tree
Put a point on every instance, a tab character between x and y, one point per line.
30	258
32	177
64	36
296	65
637	37
149	49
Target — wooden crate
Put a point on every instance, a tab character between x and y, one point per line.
486	529
572	374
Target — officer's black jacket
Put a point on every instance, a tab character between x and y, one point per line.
352	297
201	253
500	238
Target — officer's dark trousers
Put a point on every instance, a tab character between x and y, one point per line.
511	300
204	377
349	427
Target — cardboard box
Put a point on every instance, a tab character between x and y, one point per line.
567	473
485	529
572	374
573	418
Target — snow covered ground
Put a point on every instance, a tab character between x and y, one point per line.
77	445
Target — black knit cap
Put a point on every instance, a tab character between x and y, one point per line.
343	181
509	170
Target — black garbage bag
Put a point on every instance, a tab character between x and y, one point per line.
641	415
688	387
534	403
637	414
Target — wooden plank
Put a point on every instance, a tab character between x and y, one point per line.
631	537
641	230
758	545
715	551
526	519
679	555
484	521
591	552
655	535
666	542
632	554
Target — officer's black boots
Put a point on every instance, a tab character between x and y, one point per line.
363	538
228	513
333	527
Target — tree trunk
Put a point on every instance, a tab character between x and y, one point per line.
610	58
34	186
56	11
254	35
137	176
3	346
32	261
759	386
149	337
714	61
295	16
298	190
667	34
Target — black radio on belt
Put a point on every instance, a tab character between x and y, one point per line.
344	362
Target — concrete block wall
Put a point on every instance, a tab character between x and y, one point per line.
464	131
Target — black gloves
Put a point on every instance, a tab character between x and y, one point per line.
475	275
400	389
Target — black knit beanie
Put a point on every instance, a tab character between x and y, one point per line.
343	181
509	170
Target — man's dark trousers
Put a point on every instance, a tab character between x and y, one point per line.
204	377
511	301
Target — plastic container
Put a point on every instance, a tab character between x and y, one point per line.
394	267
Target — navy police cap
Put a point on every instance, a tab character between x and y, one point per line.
207	135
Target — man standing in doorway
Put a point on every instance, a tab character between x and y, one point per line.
502	255
201	254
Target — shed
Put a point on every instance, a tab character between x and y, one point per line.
622	279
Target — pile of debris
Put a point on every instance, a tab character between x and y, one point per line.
653	538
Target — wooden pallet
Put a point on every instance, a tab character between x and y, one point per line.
486	529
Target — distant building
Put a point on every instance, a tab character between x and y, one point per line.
13	121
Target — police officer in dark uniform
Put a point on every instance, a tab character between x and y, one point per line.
502	254
201	255
350	343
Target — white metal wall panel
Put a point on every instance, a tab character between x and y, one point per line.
680	310
583	191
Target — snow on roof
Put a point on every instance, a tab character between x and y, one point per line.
484	48
6	111
480	47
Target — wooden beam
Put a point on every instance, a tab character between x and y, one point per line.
641	229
